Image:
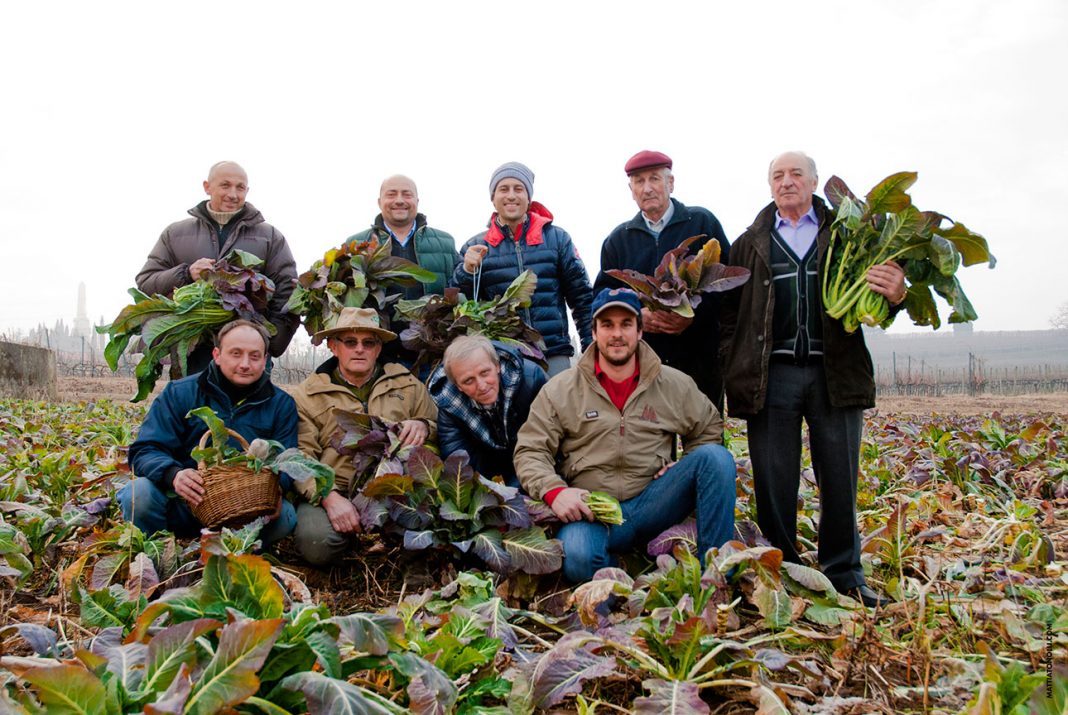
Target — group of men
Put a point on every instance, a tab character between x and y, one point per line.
610	422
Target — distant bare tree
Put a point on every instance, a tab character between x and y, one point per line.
13	335
1060	317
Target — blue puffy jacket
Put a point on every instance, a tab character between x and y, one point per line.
166	437
461	424
548	251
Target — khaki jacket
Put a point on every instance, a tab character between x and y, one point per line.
576	437
397	395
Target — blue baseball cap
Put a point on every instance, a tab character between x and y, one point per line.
617	298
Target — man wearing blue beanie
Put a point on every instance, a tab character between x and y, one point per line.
521	236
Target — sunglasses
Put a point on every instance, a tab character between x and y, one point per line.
367	343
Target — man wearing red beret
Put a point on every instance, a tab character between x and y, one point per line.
662	223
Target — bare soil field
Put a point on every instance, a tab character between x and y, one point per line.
1055	403
76	389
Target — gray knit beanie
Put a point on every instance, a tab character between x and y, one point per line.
513	170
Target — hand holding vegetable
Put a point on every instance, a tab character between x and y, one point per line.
664	321
570	505
200	265
413	433
888	280
473	257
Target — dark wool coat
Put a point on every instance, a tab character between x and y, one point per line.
747	327
632	245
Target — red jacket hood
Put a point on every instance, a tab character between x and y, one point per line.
539	217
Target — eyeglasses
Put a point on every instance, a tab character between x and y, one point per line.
367	343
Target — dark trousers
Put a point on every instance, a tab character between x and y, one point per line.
794	393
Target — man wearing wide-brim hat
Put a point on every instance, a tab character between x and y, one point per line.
352	380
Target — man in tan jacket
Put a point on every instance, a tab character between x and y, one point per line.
352	381
609	424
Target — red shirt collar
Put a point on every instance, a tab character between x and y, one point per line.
618	392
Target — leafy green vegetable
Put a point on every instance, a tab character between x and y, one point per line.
312	478
885	226
69	689
437	320
230	676
605	507
352	276
679	281
175	326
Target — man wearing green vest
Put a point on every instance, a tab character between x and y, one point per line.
406	229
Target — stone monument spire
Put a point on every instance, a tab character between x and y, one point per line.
81	320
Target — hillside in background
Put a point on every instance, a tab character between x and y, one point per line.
949	349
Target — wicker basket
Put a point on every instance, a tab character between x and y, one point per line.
235	495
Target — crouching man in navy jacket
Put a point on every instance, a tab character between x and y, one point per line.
236	388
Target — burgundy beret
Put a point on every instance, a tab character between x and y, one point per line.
646	160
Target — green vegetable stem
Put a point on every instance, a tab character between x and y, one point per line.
886	226
605	508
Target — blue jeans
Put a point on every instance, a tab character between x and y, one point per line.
151	510
704	479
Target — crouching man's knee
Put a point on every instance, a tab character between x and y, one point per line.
718	469
144	504
716	496
585	550
315	537
280	527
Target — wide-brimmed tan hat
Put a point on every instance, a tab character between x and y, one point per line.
365	319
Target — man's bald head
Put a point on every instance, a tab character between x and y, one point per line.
227	165
226	185
792	177
398	200
797	156
399	181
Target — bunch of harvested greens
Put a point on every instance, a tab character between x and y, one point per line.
885	226
446	505
435	321
311	478
352	276
605	507
678	282
174	326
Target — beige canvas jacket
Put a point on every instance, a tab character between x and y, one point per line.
576	437
396	396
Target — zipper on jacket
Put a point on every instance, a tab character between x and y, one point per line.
519	259
415	250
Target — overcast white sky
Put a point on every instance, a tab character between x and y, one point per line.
112	113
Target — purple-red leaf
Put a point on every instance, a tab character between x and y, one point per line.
670	697
564	669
